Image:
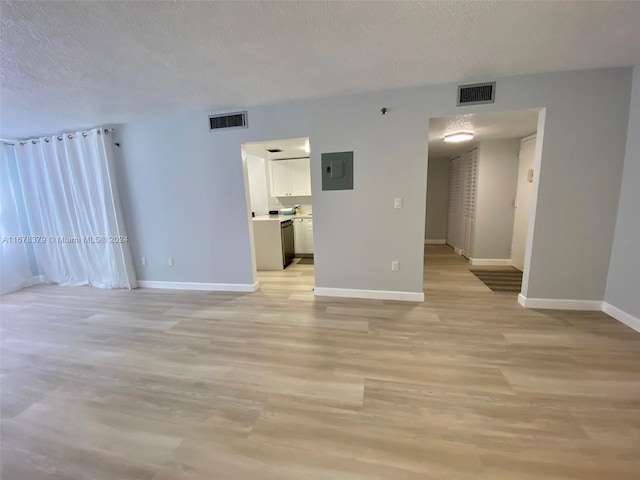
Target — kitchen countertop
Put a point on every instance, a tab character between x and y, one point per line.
282	218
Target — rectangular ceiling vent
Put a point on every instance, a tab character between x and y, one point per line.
228	120
476	94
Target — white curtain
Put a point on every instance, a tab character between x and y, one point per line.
73	210
15	271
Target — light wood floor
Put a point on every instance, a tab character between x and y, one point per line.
279	385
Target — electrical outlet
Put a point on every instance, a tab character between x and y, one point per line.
395	266
170	261
143	261
397	202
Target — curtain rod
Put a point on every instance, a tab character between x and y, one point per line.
61	136
11	143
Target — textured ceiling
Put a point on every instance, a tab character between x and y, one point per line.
485	126
71	65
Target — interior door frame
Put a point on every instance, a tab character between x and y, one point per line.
537	167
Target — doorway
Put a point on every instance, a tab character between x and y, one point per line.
280	202
486	189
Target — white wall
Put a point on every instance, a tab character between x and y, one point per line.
181	199
623	282
437	199
497	180
258	184
183	185
524	197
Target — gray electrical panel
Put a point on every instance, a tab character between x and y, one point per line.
337	171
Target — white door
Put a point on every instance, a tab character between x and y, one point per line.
453	209
524	193
469	206
280	179
300	174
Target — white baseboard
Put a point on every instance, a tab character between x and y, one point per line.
437	241
36	279
369	294
592	305
622	316
212	287
457	250
559	303
490	261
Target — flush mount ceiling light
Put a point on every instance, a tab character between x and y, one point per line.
457	137
459	129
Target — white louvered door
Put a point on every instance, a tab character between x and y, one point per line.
453	211
469	206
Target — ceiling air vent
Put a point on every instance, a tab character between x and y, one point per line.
228	120
476	94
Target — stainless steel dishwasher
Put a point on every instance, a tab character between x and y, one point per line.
288	242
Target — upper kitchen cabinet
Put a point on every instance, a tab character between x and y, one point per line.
290	178
300	170
280	176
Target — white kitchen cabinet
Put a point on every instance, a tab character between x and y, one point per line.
298	232
303	231
300	175
308	235
290	178
280	178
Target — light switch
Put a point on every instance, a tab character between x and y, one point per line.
397	202
143	261
170	261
